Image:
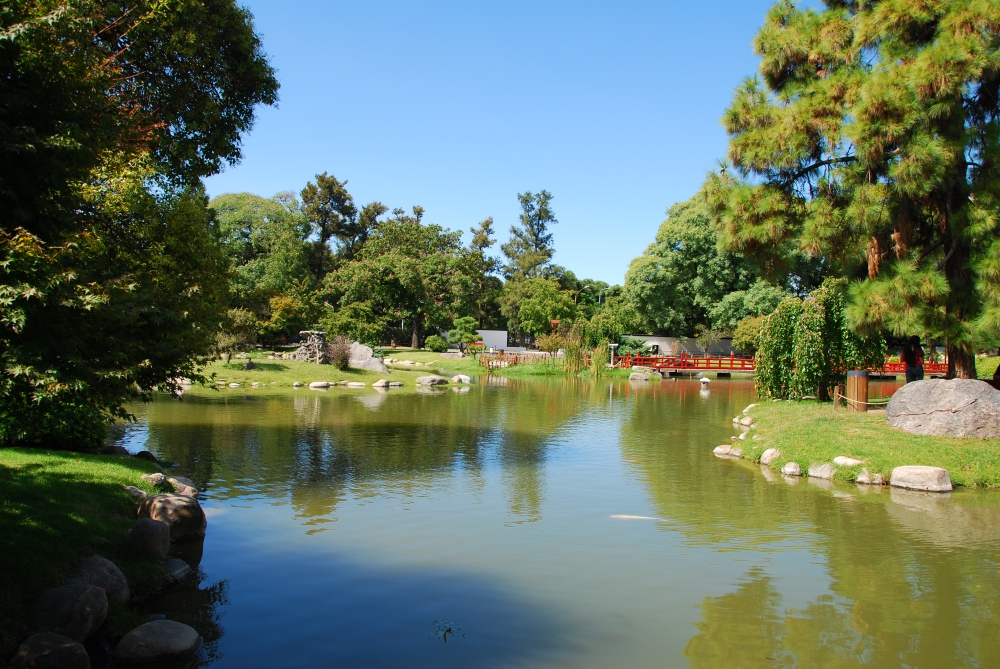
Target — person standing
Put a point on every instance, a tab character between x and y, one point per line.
913	357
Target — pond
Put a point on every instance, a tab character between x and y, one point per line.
553	524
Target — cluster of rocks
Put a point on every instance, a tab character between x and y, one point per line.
641	373
61	619
435	380
912	477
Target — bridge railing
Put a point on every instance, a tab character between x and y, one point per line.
734	364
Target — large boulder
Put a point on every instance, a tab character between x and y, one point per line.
638	376
73	610
929	479
362	357
431	380
954	408
149	538
105	574
177	570
115	450
157	641
50	651
822	471
182	513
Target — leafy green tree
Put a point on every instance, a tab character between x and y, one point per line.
113	283
463	332
357	321
616	318
484	269
530	248
238	332
759	299
870	141
332	214
534	303
681	275
297	309
436	343
746	335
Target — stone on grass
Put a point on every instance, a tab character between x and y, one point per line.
362	357
743	436
844	461
156	478
105	574
115	450
381	383
791	469
183	514
736	452
177	570
725	449
746	421
136	492
823	471
395	384
296	385
183	486
234	385
953	408
149	538
636	376
769	456
461	378
47	650
146	455
451	355
157	641
181	480
432	380
750	406
355	384
318	385
736	421
869	479
74	610
929	479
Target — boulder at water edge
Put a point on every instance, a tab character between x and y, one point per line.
50	651
146	455
461	378
769	456
432	380
150	538
954	408
823	471
844	461
74	610
177	570
115	450
791	469
637	376
157	641
105	574
381	383
362	357
156	479
929	479
183	514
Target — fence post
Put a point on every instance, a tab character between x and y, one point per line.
857	390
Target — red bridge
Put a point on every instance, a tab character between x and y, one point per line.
686	363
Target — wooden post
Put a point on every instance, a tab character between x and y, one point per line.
857	390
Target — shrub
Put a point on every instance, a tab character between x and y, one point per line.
550	343
436	343
600	357
338	352
746	336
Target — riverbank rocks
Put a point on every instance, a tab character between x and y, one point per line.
749	407
769	456
723	450
746	421
183	486
953	408
791	469
362	357
395	384
355	384
177	570
50	651
431	380
105	574
145	455
120	451
157	641
865	478
823	471
74	610
638	376
461	378
381	383
136	492
319	385
844	461
149	538
183	514
296	385
929	479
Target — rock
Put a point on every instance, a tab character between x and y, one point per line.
432	380
791	469
373	365
234	385
747	410
655	376
395	384
461	378
156	479
954	408
317	385
636	376
756	437
743	436
769	456
725	449
149	538
182	513
844	461
105	574
746	420
157	641
823	471
255	384
736	452
250	365
929	479
47	650
451	355
74	610
736	421
381	383
868	479
146	455
177	570
136	492
115	450
362	357
296	385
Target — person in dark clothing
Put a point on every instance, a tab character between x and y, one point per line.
913	357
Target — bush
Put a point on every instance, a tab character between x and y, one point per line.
633	346
746	336
436	343
550	343
338	352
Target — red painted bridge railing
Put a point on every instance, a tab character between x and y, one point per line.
685	362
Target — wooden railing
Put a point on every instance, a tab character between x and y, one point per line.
684	362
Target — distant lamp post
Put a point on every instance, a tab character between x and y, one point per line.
555	324
612	347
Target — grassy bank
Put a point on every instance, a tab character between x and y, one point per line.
56	508
814	433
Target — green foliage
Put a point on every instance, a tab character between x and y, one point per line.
333	216
775	364
238	333
609	323
812	365
356	321
746	336
870	142
529	250
532	304
463	332
600	356
436	343
632	346
760	299
297	310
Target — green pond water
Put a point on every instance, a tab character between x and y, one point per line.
553	524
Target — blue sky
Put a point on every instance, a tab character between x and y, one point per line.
613	107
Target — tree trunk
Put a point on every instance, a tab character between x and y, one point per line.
417	332
961	363
961	305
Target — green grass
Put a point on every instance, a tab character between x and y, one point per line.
58	507
814	433
985	367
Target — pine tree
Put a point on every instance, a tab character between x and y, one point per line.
530	249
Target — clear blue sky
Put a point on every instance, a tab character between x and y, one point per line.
613	107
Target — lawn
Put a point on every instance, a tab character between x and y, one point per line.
58	507
813	432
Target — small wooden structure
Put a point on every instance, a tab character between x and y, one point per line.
857	390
